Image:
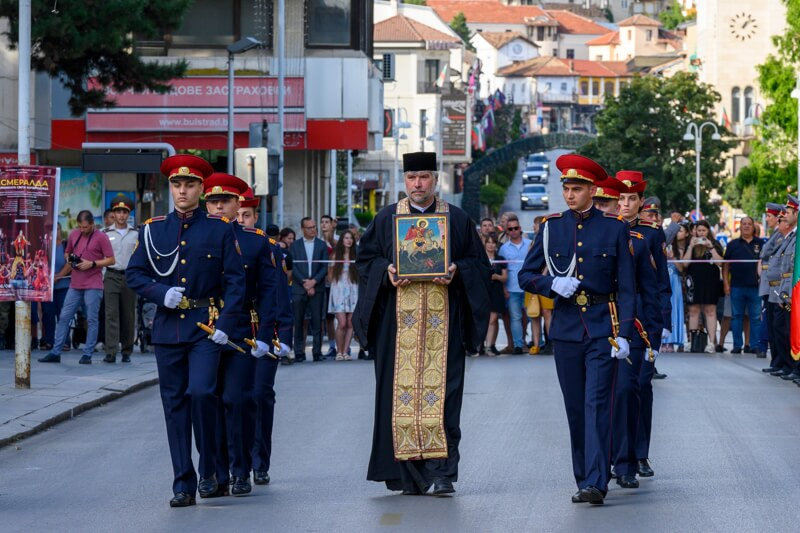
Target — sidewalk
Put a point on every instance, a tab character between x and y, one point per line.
61	391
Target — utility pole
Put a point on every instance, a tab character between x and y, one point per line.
22	310
281	99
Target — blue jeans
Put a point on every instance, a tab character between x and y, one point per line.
745	298
516	302
50	311
91	298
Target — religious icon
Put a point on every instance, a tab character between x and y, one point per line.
422	246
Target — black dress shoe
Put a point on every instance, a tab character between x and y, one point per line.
182	499
318	358
241	486
628	482
50	358
126	358
260	477
442	487
85	360
110	359
208	487
644	469
658	375
779	373
770	370
719	348
576	498
791	376
414	490
591	495
362	354
736	350
299	357
285	361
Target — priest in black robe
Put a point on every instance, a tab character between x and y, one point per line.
418	333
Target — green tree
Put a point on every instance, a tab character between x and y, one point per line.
643	128
493	196
82	40
773	161
415	2
459	25
673	16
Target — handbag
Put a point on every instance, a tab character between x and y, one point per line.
699	341
532	305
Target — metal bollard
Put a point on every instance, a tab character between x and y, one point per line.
22	345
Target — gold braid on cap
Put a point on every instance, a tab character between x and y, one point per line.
573	174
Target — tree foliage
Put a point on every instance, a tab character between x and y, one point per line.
459	25
673	16
643	128
773	161
94	39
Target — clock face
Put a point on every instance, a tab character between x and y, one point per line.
516	48
743	26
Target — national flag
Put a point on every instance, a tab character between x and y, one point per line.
499	99
725	120
794	316
442	77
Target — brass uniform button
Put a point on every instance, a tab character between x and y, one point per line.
158	257
605	255
580	243
583	309
580	226
245	266
183	243
183	280
580	276
185	226
580	260
209	256
183	261
183	316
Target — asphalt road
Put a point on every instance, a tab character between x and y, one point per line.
725	455
557	203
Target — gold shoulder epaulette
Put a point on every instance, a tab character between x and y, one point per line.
220	217
155	219
647	224
637	235
612	215
273	241
256	231
552	215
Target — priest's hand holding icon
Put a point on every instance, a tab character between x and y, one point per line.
446	281
394	280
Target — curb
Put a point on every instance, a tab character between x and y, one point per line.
77	410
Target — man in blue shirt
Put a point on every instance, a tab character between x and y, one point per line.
515	251
740	281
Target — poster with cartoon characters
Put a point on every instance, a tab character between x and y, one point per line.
28	205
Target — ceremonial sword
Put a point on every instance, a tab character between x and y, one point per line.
211	331
614	344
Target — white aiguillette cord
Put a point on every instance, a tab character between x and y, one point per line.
550	266
148	243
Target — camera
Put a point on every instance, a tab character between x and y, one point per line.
74	260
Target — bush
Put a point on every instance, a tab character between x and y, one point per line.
364	217
493	196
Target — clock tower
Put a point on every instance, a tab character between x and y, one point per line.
733	37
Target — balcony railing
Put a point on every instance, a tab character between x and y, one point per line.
558	98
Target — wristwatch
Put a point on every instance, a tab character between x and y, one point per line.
94	264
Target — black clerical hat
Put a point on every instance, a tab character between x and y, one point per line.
419	161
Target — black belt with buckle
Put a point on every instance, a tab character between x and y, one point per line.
592	299
189	303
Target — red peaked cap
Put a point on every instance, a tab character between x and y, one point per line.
578	168
186	166
609	188
221	184
248	199
632	181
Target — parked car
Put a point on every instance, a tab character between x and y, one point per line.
536	173
533	196
538	157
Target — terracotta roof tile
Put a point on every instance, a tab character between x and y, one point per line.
484	11
404	29
608	38
597	69
639	20
576	24
538	66
499	39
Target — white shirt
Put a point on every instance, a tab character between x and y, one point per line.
309	246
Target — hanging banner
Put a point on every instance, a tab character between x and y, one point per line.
28	207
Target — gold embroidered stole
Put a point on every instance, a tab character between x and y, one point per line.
420	368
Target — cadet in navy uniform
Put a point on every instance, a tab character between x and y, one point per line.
630	204
266	367
590	272
644	346
235	381
189	264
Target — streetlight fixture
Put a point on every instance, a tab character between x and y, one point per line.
239	47
752	116
694	132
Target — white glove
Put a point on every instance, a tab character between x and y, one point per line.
261	349
566	287
173	297
665	333
624	348
284	350
220	337
647	356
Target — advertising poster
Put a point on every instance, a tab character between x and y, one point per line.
454	129
79	190
28	205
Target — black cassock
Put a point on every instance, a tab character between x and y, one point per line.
375	326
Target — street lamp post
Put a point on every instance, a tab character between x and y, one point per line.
694	132
239	47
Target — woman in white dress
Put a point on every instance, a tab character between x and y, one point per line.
344	292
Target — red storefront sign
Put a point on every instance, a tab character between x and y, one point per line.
201	105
